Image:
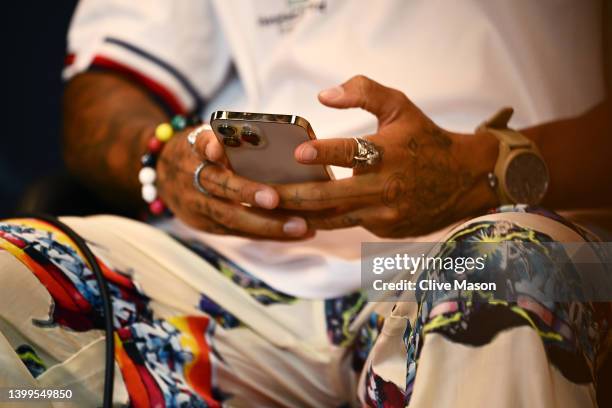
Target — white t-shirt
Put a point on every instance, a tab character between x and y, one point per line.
458	61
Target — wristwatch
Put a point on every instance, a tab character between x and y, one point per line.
520	175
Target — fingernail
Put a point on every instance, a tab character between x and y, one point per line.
265	199
332	93
308	153
295	227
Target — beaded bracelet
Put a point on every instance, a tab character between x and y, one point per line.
148	175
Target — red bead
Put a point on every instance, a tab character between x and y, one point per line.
154	146
157	207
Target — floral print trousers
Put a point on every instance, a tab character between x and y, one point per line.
194	329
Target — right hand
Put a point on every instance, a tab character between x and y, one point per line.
222	212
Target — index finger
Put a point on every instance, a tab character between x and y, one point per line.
332	152
221	182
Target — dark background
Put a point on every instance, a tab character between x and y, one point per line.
36	44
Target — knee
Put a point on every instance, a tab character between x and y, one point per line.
520	223
516	253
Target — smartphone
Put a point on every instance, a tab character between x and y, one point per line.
260	146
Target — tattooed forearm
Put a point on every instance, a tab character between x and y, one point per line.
107	123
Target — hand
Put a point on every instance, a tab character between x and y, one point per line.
428	177
222	211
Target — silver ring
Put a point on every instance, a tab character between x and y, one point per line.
193	135
196	177
367	153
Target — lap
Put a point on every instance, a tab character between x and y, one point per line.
525	352
190	325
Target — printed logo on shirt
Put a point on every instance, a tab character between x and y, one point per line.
297	9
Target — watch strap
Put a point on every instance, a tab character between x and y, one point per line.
500	119
509	140
498	126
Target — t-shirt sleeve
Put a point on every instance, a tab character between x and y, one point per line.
174	48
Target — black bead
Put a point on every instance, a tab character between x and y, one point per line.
194	120
148	160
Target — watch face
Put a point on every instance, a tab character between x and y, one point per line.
526	178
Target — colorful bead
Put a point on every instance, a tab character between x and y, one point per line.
149	193
154	146
157	207
178	122
164	132
148	160
147	175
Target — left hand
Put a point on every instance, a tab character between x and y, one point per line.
221	210
427	178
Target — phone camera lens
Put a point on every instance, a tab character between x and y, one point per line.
250	137
226	130
231	141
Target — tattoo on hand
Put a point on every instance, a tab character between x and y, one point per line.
429	184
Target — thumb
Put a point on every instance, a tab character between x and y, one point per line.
362	92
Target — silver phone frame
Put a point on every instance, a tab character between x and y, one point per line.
271	118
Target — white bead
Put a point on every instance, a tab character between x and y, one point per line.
147	175
149	193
